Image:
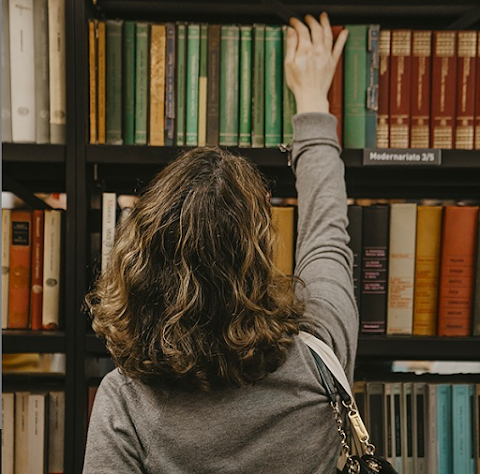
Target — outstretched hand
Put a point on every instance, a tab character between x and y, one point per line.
310	61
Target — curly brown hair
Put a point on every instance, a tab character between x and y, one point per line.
191	295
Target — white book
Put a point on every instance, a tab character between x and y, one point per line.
21	432
109	207
56	432
403	230
51	269
37	439
407	428
8	432
6	88
6	235
432	417
419	428
22	70
57	66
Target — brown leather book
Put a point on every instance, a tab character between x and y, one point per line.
421	83
36	292
157	86
457	270
444	79
477	99
335	94
213	84
383	89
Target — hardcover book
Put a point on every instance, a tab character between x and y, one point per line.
156	136
191	96
6	238
213	84
202	87
102	82
245	112
273	86
283	221
128	83
354	229
258	132
383	129
372	86
36	292
181	82
6	86
170	85
8	432
92	71
141	82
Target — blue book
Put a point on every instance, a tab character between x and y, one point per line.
444	428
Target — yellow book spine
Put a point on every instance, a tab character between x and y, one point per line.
283	221
157	86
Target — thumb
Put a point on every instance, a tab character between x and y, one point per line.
292	42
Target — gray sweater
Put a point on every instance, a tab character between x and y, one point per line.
283	424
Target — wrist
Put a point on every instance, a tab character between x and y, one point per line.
308	105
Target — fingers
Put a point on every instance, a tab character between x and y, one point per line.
292	43
304	40
327	31
315	30
339	44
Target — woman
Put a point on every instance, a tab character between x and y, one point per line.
212	376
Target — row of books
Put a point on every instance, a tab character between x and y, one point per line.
33	432
31	268
190	84
33	71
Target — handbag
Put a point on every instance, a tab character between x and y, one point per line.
340	397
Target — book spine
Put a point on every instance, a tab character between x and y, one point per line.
403	228
20	270
459	236
191	98
141	83
109	206
258	132
372	86
444	428
42	99
114	81
6	85
8	432
245	125
58	71
202	87
427	266
6	241
56	432
283	221
335	94
420	90
389	432
476	304
170	85
128	84
400	78
355	87
37	435
383	130
21	432
102	82
181	82
461	429
51	270
397	426
375	412
273	86
22	71
213	85
92	75
354	230
229	86
432	432
407	425
444	75
419	413
477	101
465	116
157	86
36	292
476	396
472	422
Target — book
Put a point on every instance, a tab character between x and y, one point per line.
398	427
335	94
191	96
170	85
258	92
420	424
401	268
114	35
461	429
372	86
354	229
20	270
92	78
141	82
283	221
57	71
432	431
6	239
56	432
400	79
476	301
21	432
477	99
389	425
420	90
6	87
476	406
444	428
383	129
181	82
202	86
245	106
457	263
8	432
109	206
427	269
213	85
102	82
407	426
36	282
22	71
52	270
128	83
37	432
273	85
157	86
375	412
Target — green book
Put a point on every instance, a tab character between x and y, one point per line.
289	106
114	81
355	86
258	132
129	83
193	69
181	81
245	135
202	87
372	86
141	83
229	87
273	85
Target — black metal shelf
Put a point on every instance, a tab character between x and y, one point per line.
33	153
24	341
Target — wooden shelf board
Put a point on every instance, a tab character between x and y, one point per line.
25	341
33	153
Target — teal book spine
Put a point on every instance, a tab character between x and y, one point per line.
372	86
245	135
461	428
229	85
289	106
273	86
141	83
191	99
181	82
129	83
114	81
444	428
355	86
258	132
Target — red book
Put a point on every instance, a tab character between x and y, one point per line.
444	79
457	270
20	269
465	123
421	83
383	89
400	79
477	98
36	293
335	94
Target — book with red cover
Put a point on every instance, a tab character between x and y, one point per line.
383	89
335	94
36	292
457	270
444	80
20	269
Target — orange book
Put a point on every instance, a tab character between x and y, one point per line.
283	220
36	292
20	269
335	94
457	270
157	86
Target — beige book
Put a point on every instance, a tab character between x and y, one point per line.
109	207
56	432
8	427
37	440
6	235
21	432
157	86
283	224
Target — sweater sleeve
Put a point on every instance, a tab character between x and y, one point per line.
113	446
324	262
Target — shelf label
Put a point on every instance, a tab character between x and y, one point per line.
401	156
